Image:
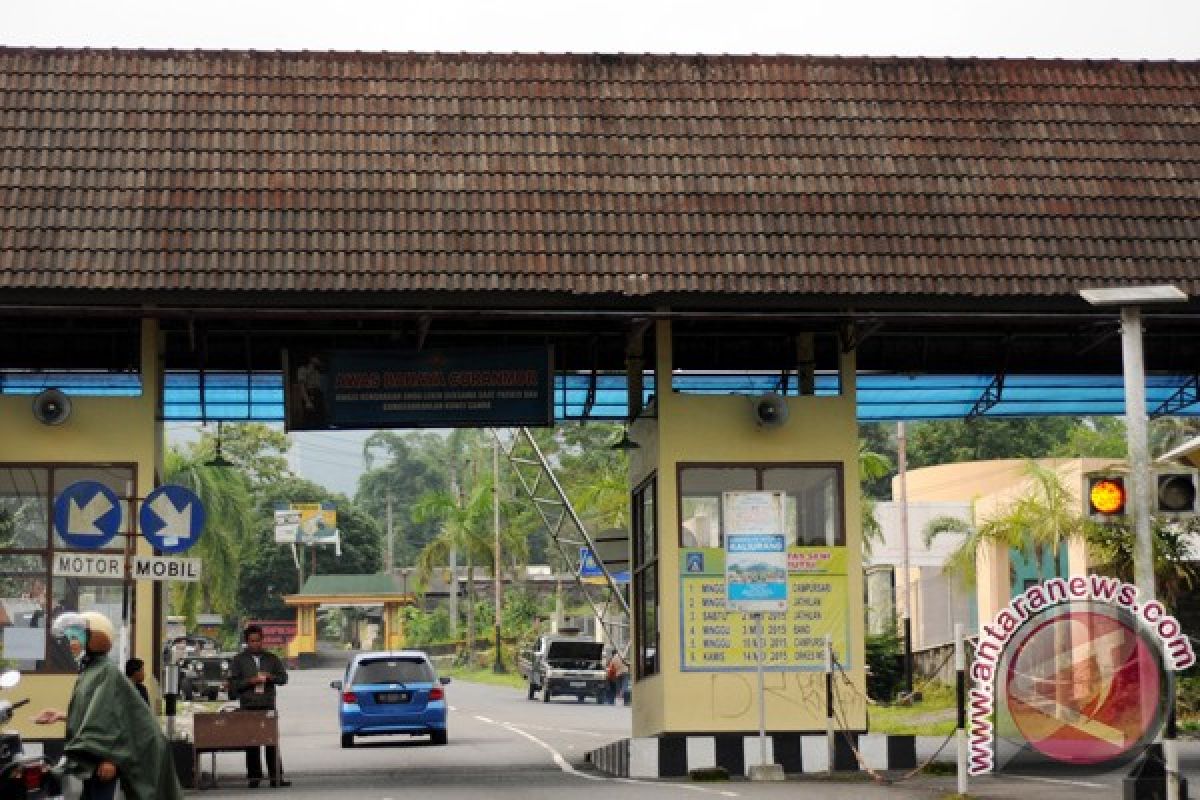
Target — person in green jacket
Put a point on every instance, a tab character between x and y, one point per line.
112	736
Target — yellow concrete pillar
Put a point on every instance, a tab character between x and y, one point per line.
305	641
393	626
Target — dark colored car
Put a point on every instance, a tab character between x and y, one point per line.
392	693
204	676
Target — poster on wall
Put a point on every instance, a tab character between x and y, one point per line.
715	639
755	552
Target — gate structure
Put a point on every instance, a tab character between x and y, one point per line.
739	257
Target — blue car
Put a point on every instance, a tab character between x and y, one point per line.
392	693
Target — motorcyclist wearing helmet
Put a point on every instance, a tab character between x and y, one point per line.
112	737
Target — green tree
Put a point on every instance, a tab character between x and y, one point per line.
953	441
1094	437
879	438
871	466
1167	433
229	509
399	468
258	450
269	570
1176	571
466	525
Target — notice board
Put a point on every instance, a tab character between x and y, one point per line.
714	639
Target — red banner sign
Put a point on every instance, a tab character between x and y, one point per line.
276	632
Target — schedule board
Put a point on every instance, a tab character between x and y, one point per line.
714	639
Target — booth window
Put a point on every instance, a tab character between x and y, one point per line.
32	595
813	514
645	579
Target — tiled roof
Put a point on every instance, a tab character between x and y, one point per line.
622	175
350	585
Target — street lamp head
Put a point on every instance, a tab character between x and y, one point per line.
1134	295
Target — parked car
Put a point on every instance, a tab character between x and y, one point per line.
205	675
564	664
180	647
392	693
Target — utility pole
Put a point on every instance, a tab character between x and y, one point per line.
902	465
498	665
452	588
391	551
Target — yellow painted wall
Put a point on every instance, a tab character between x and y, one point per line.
692	428
99	430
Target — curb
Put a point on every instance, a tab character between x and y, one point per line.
676	755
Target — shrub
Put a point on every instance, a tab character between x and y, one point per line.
885	665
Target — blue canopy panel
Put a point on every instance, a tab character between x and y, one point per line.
240	396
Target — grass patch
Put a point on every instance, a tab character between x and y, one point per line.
940	768
933	715
512	678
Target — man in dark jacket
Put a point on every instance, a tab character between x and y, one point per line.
253	675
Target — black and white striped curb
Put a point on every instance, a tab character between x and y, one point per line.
676	755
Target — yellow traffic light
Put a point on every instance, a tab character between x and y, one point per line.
1106	496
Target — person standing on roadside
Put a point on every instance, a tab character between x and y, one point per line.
617	672
111	738
253	675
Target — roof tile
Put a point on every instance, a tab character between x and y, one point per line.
636	175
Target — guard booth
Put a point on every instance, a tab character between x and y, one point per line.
694	663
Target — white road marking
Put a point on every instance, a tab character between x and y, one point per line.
566	767
1062	781
574	731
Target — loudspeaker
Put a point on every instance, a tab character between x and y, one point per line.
51	407
770	410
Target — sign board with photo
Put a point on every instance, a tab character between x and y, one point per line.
308	523
437	388
756	556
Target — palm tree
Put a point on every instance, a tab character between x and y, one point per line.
1038	524
871	466
229	520
604	500
1176	572
466	526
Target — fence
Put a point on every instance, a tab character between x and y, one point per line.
937	663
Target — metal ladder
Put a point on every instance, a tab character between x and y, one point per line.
536	478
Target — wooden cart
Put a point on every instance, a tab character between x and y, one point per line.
232	730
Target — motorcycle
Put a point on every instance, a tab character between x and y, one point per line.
21	777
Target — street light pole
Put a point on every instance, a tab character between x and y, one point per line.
1130	300
1134	369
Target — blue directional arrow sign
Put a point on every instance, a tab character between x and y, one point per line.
172	518
87	514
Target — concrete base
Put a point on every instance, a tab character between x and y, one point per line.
676	755
765	772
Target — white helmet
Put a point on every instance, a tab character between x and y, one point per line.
100	634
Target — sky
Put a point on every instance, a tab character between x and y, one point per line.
1136	29
1131	29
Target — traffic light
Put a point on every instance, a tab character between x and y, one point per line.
1175	492
1104	496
